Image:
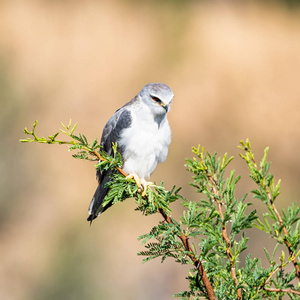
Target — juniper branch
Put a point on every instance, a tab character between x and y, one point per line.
197	263
225	236
266	183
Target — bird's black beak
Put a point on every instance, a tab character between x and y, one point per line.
166	107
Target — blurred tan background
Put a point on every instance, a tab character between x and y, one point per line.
234	69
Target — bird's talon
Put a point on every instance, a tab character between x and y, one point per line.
144	192
141	183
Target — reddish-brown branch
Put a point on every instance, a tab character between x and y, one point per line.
98	155
197	263
103	159
226	238
263	285
287	243
282	290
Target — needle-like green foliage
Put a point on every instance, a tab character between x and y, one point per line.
212	232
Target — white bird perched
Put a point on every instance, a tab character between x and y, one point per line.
143	135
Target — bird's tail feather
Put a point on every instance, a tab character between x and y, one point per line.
96	208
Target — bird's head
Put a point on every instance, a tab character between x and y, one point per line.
158	96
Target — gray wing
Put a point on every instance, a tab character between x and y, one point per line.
113	129
111	134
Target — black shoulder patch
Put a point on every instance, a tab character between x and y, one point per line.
125	120
112	131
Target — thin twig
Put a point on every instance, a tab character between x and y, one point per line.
103	159
287	243
263	285
282	290
285	231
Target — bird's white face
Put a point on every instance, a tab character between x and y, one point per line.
158	97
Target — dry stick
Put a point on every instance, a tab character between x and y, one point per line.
226	238
185	242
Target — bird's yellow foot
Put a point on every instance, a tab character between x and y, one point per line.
141	183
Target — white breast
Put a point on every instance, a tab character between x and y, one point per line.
145	144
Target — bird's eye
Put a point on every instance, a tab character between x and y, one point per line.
156	99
